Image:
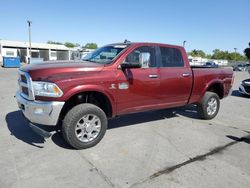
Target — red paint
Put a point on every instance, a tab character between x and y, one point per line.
170	89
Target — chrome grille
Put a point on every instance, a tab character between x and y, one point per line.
25	85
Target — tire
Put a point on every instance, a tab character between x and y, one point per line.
209	106
84	126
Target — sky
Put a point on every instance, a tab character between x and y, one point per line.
205	25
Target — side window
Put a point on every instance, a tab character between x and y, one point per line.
171	57
133	57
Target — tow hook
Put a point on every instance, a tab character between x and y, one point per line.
40	131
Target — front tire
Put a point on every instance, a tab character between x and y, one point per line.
209	105
84	126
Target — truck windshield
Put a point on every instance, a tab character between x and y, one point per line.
106	54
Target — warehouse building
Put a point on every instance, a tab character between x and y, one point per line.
40	51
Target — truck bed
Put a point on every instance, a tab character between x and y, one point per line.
205	76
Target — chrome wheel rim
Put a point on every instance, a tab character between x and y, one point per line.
88	128
212	106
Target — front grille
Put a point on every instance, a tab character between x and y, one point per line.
247	89
25	85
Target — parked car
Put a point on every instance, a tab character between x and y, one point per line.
245	87
211	64
247	67
114	80
241	67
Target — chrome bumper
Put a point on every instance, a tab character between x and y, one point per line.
40	112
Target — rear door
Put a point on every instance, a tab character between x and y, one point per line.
138	88
175	77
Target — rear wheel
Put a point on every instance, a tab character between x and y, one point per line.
209	105
84	126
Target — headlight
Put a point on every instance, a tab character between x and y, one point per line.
47	89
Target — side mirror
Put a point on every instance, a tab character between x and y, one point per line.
144	59
129	65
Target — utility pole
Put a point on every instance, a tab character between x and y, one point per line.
184	43
29	24
235	49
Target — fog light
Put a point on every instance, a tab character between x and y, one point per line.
38	111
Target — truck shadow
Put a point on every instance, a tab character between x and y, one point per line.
18	125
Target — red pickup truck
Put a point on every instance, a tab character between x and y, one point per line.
117	79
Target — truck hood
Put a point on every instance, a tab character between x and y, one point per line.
61	70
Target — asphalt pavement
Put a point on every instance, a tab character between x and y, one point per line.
165	148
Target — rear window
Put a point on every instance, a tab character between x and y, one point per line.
171	57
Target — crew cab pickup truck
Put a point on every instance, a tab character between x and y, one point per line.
114	80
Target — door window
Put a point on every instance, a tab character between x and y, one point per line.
171	57
133	57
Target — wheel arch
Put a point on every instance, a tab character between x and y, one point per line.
90	95
215	86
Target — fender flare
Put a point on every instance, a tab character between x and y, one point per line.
92	88
211	83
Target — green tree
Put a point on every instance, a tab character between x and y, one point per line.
247	52
197	53
91	46
70	44
219	54
54	42
209	56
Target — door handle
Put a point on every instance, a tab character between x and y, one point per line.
153	76
185	75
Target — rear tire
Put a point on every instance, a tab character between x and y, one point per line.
84	126
209	106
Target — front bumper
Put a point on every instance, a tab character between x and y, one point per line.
40	112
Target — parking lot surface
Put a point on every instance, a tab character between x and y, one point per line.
165	148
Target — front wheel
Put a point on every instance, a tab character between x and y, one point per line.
209	105
84	126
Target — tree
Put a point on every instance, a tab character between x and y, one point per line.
209	56
219	54
54	42
91	46
247	52
197	53
69	44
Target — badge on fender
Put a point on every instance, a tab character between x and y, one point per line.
123	86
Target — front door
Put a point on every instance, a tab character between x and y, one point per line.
138	88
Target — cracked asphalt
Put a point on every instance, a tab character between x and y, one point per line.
165	148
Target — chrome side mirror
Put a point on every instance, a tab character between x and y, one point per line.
144	59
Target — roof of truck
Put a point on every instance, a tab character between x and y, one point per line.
145	43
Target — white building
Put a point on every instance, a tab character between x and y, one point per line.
38	50
202	61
